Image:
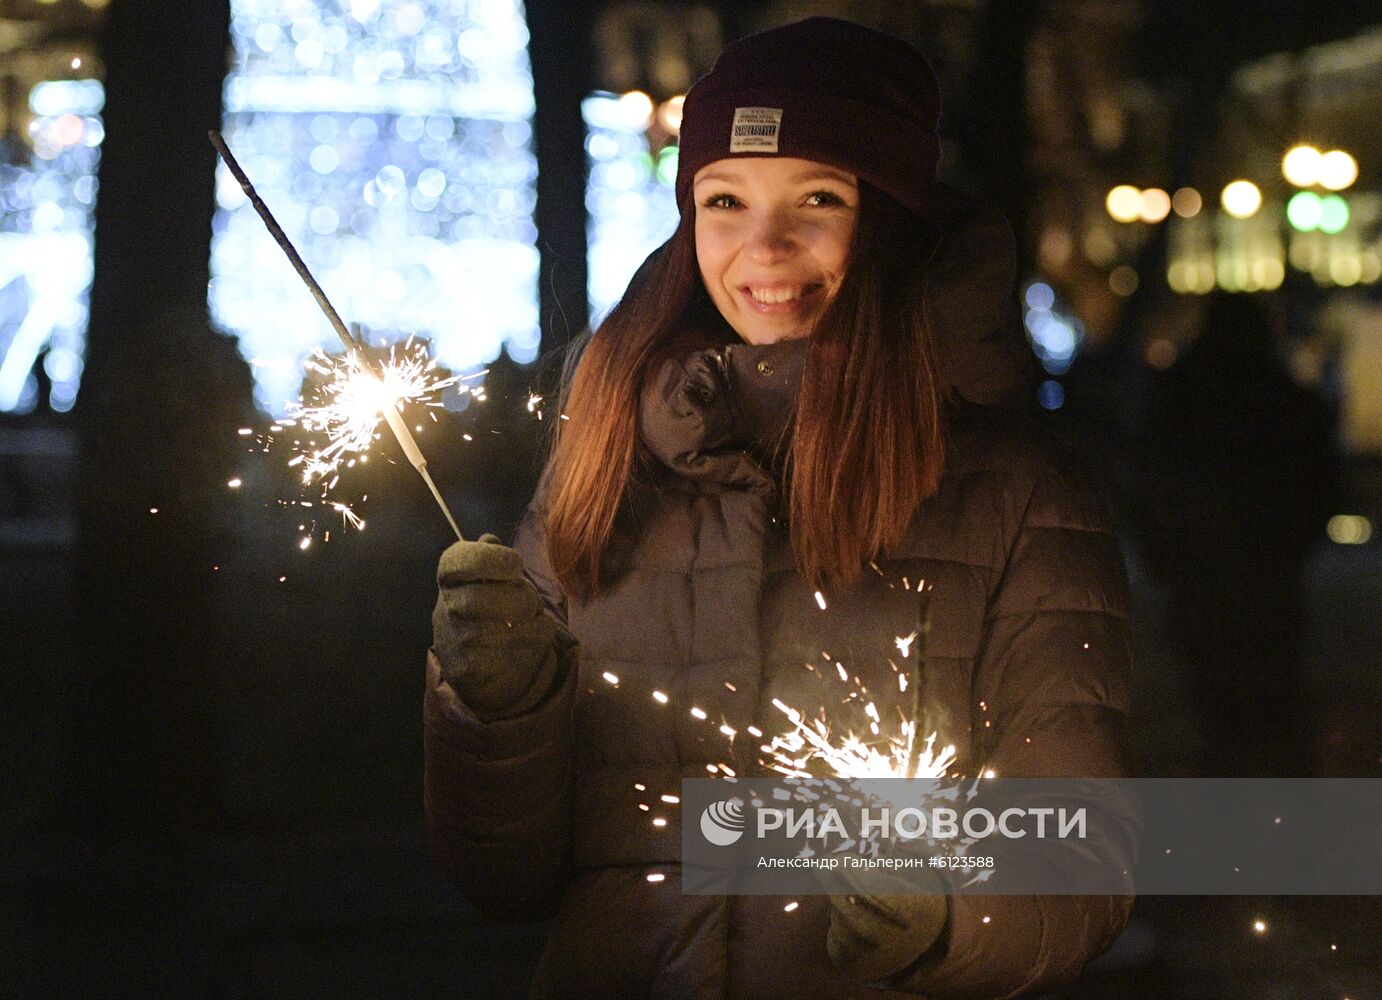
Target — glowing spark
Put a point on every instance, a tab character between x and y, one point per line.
698	713
844	674
659	821
656	877
533	400
1260	926
353	399
990	774
304	544
640	786
728	731
904	645
233	483
820	599
351	518
812	742
245	431
790	906
660	697
611	678
672	799
987	918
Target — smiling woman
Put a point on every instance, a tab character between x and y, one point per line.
784	426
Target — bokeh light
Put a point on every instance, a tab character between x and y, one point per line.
1333	214
393	141
1338	170
46	224
1241	199
1301	165
1055	334
629	197
1124	203
1123	280
1349	529
1186	202
1156	205
1304	211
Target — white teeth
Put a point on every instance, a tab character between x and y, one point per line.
769	296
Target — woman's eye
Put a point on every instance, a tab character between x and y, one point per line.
824	199
722	201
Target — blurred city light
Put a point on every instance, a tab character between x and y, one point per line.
1051	395
669	113
1124	203
1304	211
1156	205
630	197
1337	170
1333	214
636	108
1349	529
1186	202
393	141
46	221
1123	280
1241	199
1055	335
1040	295
1301	165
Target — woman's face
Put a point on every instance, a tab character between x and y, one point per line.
772	236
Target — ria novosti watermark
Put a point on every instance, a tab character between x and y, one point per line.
1034	836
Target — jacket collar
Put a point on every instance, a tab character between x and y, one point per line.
722	415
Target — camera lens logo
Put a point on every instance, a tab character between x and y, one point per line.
722	823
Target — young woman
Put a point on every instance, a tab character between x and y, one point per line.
798	393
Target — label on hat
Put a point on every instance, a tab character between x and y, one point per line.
755	130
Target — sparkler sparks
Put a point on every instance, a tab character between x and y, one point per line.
352	400
810	743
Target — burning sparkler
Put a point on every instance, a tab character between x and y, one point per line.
352	398
358	387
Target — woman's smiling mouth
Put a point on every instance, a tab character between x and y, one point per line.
778	299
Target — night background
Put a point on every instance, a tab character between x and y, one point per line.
210	712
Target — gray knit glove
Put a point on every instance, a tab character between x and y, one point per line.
496	646
873	937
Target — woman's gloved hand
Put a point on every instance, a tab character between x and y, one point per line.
873	937
495	645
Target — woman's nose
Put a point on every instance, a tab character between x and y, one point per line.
773	238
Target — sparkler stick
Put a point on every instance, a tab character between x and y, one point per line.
352	341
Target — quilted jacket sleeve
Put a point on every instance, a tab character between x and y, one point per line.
497	796
1052	696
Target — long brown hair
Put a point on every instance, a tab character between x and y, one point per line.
868	445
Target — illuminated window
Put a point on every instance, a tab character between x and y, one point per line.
393	142
630	196
46	199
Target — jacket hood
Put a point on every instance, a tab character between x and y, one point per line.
982	355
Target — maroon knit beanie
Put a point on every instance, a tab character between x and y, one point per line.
821	89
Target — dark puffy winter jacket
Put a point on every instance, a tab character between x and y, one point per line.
550	815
